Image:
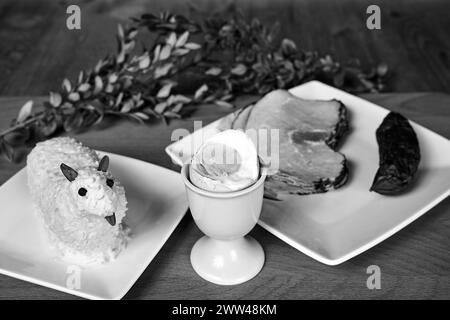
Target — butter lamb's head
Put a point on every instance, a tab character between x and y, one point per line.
95	191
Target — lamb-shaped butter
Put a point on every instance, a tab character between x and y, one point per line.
81	204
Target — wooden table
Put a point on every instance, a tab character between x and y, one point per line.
415	263
37	51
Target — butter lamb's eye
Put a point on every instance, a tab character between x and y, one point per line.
110	182
82	192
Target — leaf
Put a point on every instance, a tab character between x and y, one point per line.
163	70
48	128
132	34
192	46
119	99
128	47
98	85
109	88
90	118
99	109
226	28
274	31
201	91
338	79
98	66
25	111
170	114
6	150
171	40
66	85
177	107
134	117
120	31
164	91
127	82
239	70
197	57
165	52
67	105
81	76
182	39
113	78
382	69
99	119
119	59
223	104
127	106
288	46
180	52
55	99
84	87
150	111
73	122
156	53
214	71
144	62
137	98
74	96
160	107
181	98
141	115
132	69
227	97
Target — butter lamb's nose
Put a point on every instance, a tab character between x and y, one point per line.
111	219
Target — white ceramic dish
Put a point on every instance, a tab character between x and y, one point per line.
336	226
154	210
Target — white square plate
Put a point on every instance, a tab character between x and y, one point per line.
336	226
154	210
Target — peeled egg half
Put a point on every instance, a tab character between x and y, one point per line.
226	162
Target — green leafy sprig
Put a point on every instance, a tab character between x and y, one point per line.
222	58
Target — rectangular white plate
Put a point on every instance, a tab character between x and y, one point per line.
336	226
154	210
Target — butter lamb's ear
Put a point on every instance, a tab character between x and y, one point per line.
103	165
68	172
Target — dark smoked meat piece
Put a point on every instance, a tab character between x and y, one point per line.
399	155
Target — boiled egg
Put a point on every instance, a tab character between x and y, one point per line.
226	162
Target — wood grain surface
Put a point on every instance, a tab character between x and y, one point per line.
415	262
37	50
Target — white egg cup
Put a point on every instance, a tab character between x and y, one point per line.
225	255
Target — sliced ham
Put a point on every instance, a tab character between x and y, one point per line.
309	133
